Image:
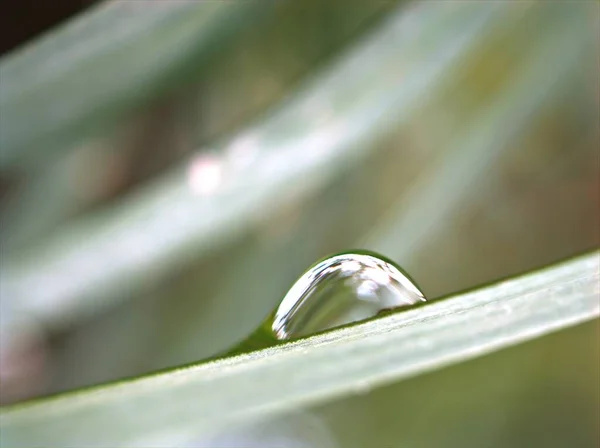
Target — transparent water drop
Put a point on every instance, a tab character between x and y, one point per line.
338	290
341	289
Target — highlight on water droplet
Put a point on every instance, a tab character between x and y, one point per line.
341	289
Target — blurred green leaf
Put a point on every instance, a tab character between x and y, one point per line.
109	60
328	126
296	37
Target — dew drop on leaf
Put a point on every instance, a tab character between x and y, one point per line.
338	290
341	289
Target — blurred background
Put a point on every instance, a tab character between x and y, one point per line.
168	170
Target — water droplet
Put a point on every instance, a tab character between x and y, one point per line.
341	289
337	290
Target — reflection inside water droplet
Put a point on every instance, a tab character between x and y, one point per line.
341	289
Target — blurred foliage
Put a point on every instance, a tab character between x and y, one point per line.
458	138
